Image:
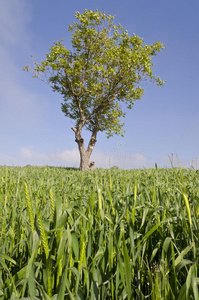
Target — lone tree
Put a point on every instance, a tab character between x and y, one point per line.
103	70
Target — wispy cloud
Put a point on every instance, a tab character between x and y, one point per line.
63	158
70	158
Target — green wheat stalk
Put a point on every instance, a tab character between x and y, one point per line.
29	206
52	205
44	239
187	207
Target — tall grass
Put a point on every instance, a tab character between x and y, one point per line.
107	234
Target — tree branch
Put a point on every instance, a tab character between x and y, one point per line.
74	129
92	141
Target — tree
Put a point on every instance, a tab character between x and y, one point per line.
103	70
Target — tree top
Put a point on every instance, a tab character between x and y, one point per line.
103	69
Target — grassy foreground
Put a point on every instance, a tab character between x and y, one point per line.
106	234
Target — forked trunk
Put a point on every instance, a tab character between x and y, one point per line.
85	153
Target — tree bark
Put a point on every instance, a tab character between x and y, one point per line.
85	153
84	160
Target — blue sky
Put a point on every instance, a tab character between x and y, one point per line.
33	128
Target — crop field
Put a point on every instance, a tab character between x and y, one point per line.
104	234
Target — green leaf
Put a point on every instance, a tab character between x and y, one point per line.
62	245
5	256
127	270
151	231
75	244
101	73
182	254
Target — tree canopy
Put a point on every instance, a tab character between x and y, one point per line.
103	69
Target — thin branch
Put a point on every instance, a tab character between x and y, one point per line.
74	129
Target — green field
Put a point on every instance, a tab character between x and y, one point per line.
105	234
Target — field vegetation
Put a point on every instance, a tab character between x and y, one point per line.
105	234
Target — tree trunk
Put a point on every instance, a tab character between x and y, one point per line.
84	160
85	153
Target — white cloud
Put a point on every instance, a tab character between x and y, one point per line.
26	153
122	158
165	161
70	158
